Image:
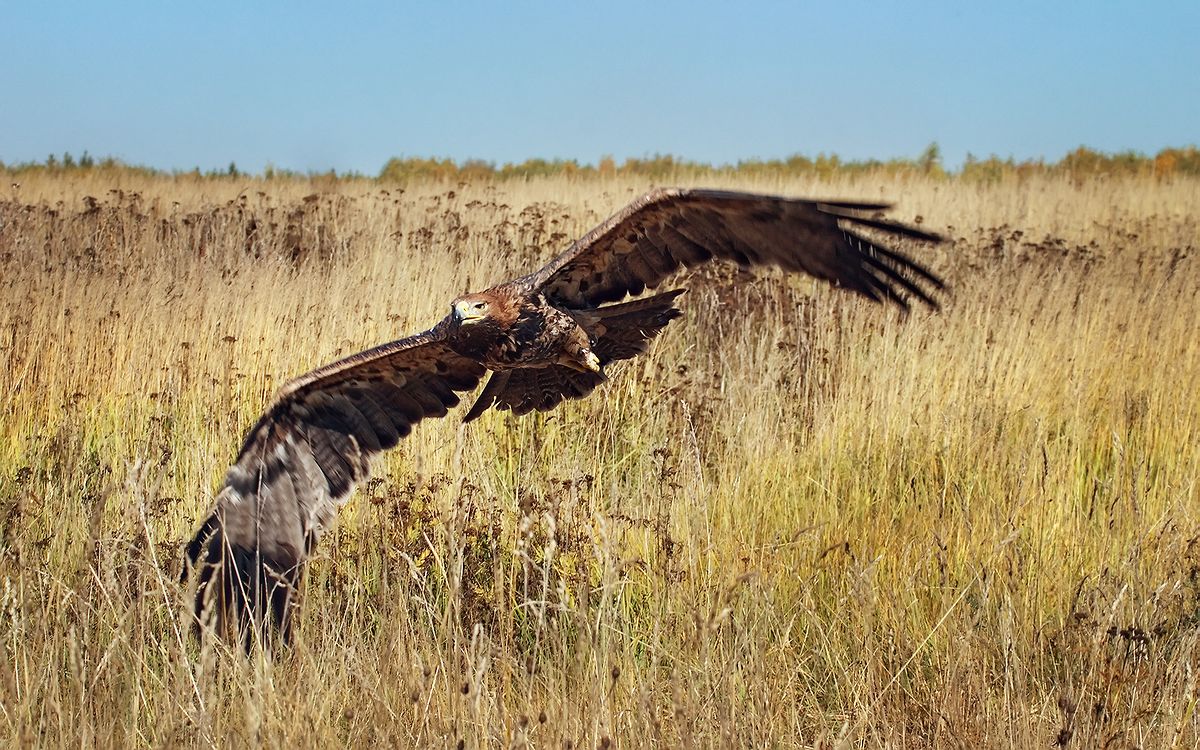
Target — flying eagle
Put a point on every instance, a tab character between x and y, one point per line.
544	337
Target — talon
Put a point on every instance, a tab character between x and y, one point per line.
591	361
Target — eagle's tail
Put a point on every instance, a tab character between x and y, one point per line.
236	593
628	327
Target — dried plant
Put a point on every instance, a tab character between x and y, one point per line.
834	527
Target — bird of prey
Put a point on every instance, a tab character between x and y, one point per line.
544	337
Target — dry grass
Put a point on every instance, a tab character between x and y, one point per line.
829	527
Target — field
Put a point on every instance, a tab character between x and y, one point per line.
800	520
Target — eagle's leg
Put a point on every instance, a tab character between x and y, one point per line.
584	360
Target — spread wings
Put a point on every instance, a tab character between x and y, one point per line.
314	444
302	459
669	229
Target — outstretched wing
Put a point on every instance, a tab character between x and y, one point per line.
669	229
302	460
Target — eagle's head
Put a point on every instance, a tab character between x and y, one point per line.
470	309
488	307
479	321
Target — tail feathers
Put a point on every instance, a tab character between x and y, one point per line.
237	592
489	396
624	330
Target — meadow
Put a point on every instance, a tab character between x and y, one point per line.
801	520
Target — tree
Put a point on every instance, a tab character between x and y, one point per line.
930	160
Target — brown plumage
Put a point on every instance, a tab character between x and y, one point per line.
545	337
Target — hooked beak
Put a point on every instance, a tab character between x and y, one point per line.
466	312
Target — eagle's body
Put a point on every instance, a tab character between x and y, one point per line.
508	327
545	337
517	333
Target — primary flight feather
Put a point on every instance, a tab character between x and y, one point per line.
544	337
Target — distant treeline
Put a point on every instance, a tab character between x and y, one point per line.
1081	163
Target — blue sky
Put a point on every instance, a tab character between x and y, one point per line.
311	86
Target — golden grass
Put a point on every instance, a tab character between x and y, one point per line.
801	520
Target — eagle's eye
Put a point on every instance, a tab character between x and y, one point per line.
480	307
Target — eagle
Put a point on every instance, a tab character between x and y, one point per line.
544	338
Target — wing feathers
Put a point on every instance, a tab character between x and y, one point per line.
689	249
891	227
900	260
685	228
856	205
400	405
302	460
442	392
487	397
893	276
333	452
382	425
544	388
430	404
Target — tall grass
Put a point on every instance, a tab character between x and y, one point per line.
799	520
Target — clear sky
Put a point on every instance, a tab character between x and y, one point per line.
311	86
